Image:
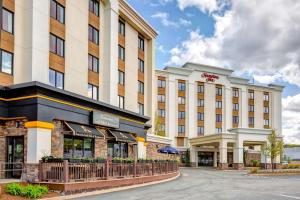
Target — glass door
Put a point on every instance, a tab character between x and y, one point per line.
15	156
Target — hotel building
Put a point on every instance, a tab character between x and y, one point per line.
216	115
76	80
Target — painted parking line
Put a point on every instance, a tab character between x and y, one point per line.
288	196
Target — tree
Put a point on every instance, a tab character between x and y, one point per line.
274	148
157	126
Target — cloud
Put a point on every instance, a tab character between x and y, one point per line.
165	20
161	49
203	5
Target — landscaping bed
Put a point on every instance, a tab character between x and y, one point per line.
270	172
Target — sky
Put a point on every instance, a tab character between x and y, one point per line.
258	39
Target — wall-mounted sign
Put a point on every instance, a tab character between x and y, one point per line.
210	77
104	119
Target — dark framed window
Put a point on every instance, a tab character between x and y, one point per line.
93	63
57	45
235	92
141	109
121	77
57	11
7	21
117	149
181	100
218	118
94	7
251	108
200	116
251	94
161	98
200	130
181	86
181	129
121	28
141	66
200	89
93	35
218	104
219	91
56	79
251	120
6	62
162	128
266	122
181	115
161	83
218	130
78	147
93	91
200	102
266	110
121	53
140	87
235	106
121	102
266	96
235	119
161	112
141	43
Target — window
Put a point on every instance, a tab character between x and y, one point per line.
121	102
266	122
181	100
140	87
161	98
161	128
78	147
200	102
121	77
251	108
93	91
200	89
200	116
235	106
94	7
57	11
57	45
93	35
161	112
235	92
181	86
6	62
181	128
235	119
141	44
200	130
219	91
218	104
56	79
141	109
251	94
251	120
121	28
121	53
141	66
266	110
7	21
218	118
266	96
161	83
117	149
181	114
218	130
93	63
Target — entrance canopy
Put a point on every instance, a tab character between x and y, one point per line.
84	131
123	137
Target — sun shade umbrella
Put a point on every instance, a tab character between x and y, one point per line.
168	150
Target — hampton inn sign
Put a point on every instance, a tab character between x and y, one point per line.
210	77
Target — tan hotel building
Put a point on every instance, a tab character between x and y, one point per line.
215	114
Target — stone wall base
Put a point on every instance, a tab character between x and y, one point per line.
223	166
30	173
238	166
266	165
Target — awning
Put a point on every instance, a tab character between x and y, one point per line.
85	131
123	137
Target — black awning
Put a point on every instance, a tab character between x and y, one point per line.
123	137
85	131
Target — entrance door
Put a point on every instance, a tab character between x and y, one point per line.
15	156
206	159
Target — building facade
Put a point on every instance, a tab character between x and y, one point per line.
216	115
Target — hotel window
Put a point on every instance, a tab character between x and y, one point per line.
251	94
141	44
78	147
235	106
200	102
235	119
218	130
251	120
93	35
121	28
218	104
181	114
141	66
200	89
6	62
121	77
251	108
200	130
181	100
161	127
121	102
94	7
181	86
266	97
161	98
266	122
219	91
218	118
93	91
161	83
266	110
121	53
181	128
141	109
200	116
57	45
93	63
161	112
7	21
235	92
56	79
140	87
57	11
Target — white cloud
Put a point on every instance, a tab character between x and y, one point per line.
203	5
161	48
165	20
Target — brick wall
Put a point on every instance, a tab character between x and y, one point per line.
251	156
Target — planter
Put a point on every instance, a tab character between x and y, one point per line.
52	160
74	160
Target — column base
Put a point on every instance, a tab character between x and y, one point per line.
238	166
277	165
223	166
266	165
31	173
193	164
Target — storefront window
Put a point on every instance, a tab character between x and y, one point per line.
78	147
117	149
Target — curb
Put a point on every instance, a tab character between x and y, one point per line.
105	191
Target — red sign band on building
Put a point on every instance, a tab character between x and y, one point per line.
210	77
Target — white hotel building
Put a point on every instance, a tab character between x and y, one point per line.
216	115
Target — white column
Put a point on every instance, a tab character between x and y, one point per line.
244	108
141	149
216	159
191	112
223	151
238	152
194	156
170	109
228	108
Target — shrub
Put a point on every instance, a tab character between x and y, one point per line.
29	191
254	170
255	163
13	189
